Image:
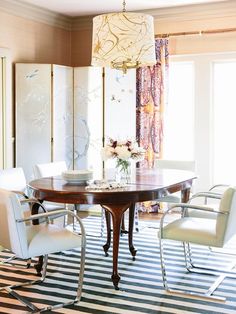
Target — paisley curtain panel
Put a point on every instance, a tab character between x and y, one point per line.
152	87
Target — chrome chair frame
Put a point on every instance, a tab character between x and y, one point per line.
56	168
189	264
212	195
10	260
22	299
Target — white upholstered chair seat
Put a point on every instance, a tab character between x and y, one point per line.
55	169
215	231
13	179
198	230
27	241
48	170
52	237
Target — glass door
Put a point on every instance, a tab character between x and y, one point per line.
224	125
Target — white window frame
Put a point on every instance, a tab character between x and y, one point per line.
203	112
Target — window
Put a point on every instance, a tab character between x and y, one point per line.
224	126
179	114
200	118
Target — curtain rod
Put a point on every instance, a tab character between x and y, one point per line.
214	31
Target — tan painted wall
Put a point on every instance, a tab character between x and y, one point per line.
31	41
199	43
81	47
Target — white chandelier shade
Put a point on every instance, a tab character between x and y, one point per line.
123	40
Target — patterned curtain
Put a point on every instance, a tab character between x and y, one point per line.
151	98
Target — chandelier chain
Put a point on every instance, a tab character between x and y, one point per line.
124	4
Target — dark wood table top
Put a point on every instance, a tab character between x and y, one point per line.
144	185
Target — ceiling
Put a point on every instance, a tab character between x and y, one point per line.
93	7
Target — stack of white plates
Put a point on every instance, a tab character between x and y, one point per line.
77	176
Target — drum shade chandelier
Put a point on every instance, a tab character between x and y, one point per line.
123	40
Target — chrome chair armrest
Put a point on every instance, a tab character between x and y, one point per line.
32	201
56	213
20	193
183	206
198	207
219	186
206	195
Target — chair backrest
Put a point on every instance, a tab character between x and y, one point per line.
49	169
225	226
175	164
13	235
13	179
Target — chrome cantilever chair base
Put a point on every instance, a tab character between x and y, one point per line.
30	305
9	260
23	300
203	232
200	269
10	202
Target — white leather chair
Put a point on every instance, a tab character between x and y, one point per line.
48	170
210	198
188	165
214	232
13	179
26	240
54	169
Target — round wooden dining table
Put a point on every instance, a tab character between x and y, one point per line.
144	185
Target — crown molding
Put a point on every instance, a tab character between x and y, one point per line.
82	22
183	13
193	12
35	13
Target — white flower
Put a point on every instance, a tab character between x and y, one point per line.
107	152
122	152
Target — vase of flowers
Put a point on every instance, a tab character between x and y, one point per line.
123	152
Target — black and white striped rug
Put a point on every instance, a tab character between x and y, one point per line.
141	289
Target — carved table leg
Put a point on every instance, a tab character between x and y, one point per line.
131	227
117	212
185	195
107	245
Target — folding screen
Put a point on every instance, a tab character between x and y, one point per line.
33	116
88	118
65	114
63	111
6	131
